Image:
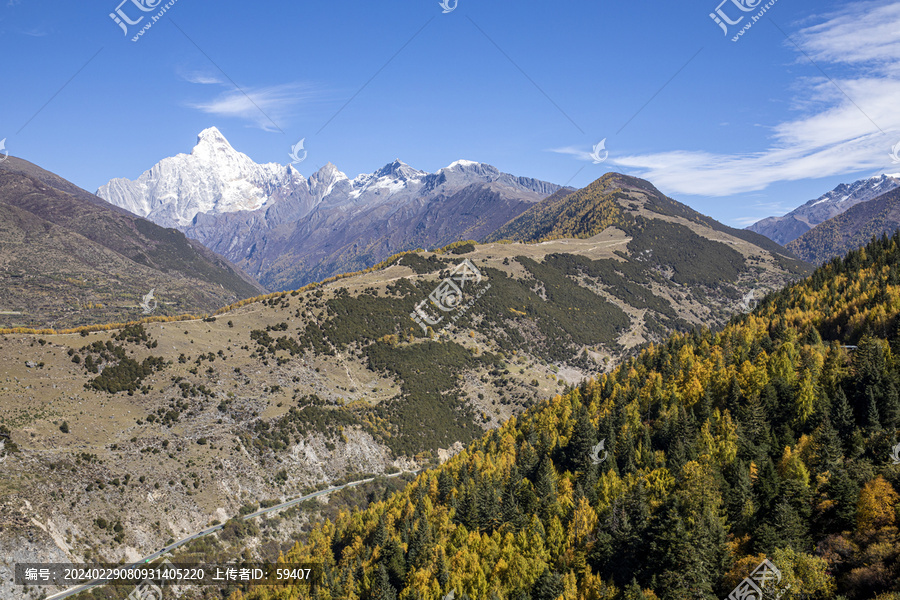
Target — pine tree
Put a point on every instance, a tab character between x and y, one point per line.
844	493
890	411
548	586
785	529
511	513
735	398
738	495
488	506
755	439
842	414
826	447
633	591
703	409
419	544
545	485
682	566
394	561
873	420
379	536
381	587
445	485
577	452
443	568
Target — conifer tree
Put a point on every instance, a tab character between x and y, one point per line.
381	587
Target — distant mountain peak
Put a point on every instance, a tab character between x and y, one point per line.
289	229
211	134
329	168
398	170
852	228
211	142
789	227
323	181
462	163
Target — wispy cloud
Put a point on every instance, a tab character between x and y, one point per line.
745	221
36	32
261	106
578	153
200	77
847	125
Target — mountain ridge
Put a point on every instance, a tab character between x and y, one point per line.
65	249
788	227
851	229
288	230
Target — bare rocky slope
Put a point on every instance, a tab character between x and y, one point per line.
68	258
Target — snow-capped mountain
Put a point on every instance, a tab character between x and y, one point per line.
789	227
213	178
288	230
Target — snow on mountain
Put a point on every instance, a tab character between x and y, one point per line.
288	230
216	179
789	227
213	178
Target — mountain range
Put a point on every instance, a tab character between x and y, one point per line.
851	229
288	230
192	420
786	228
69	258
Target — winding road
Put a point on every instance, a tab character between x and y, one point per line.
209	530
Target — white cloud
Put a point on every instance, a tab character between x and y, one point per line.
267	108
573	151
745	221
201	78
835	135
36	32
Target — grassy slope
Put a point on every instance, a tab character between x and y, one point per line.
308	383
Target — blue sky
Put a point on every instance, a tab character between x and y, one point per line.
807	98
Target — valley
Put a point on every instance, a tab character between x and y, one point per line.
162	427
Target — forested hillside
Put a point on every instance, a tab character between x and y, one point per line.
770	439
